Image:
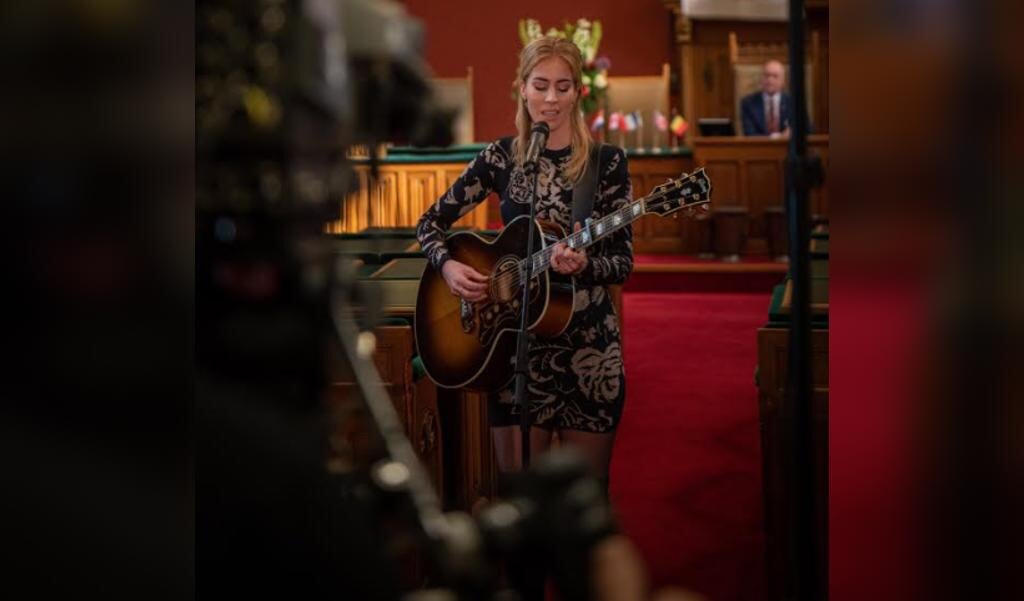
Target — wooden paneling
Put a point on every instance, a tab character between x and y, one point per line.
402	193
750	172
765	179
713	73
384	198
422	191
654	234
415	403
447	428
706	73
765	182
713	84
469	452
450	175
726	180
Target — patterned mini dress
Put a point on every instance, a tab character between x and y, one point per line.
577	380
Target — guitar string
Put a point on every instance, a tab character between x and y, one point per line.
512	277
542	257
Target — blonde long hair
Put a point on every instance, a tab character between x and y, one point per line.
532	54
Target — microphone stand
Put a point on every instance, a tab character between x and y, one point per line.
522	400
807	572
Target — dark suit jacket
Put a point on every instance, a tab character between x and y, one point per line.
754	121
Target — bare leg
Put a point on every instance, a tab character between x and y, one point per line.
597	448
508	442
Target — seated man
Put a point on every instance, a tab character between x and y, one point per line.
770	111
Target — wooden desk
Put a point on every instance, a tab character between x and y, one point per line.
750	172
653	234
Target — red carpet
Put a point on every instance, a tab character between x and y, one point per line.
681	273
676	259
686	476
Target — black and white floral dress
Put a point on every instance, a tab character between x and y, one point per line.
577	381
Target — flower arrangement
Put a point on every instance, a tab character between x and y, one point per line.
587	37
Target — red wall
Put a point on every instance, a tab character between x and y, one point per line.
484	34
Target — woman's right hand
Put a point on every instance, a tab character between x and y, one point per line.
464	281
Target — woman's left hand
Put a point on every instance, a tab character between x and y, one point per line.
567	260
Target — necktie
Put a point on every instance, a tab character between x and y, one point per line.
773	116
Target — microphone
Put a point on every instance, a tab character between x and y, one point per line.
538	140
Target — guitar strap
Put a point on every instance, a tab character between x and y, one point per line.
584	191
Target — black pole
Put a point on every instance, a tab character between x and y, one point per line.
523	337
804	577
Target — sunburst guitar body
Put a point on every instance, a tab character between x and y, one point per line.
472	345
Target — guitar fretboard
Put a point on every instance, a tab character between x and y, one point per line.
589	234
682	193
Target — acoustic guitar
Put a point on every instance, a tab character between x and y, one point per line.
473	345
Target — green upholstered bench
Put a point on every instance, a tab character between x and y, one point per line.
384	232
779	307
398	280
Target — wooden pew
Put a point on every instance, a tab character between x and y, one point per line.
773	355
415	401
447	428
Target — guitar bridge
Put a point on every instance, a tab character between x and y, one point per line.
466	314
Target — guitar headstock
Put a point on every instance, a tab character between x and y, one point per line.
690	192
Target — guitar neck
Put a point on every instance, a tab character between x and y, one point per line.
592	232
688	192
